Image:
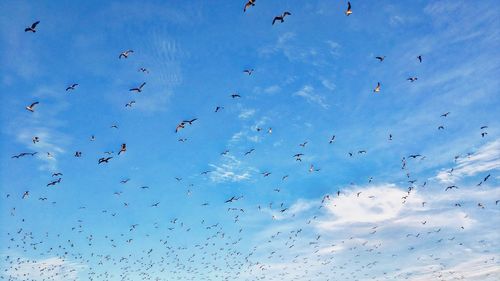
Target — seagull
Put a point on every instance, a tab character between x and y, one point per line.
57	174
138	89
180	126
218	108
412	79
235	96
484	134
71	87
441	128
250	151
24	154
332	139
32	27
130	103
445	114
26	194
104	160
377	89
419	57
281	17
380	58
248	71
303	144
123	148
451	187
484	127
125	54
31	107
143	70
54	182
349	10
190	122
232	199
35	139
249	4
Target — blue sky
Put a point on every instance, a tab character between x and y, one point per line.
314	76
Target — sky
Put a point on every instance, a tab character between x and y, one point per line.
399	184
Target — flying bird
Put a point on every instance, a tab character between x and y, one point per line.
104	160
349	9
125	54
130	103
451	187
31	107
412	79
138	89
419	57
249	4
71	87
445	114
32	28
380	58
248	71
377	89
235	96
123	148
218	108
281	17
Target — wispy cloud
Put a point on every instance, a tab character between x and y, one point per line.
230	170
307	92
487	158
54	268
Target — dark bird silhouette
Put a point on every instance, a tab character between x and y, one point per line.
130	103
218	108
248	71
332	139
249	4
232	199
281	17
419	57
380	58
138	89
71	87
54	182
143	70
451	187
125	54
104	160
250	151
483	134
414	156
377	88
32	28
234	96
57	174
412	79
123	148
31	107
24	154
441	127
25	194
445	114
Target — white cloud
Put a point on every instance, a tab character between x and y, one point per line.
487	158
246	113
230	170
308	93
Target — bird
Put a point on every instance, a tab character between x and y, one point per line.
35	139
281	17
24	154
104	160
25	194
130	103
218	108
71	87
54	182
248	71
123	148
143	70
377	89
32	28
349	9
483	134
451	187
190	122
380	58
57	174
332	139
483	127
234	96
412	79
232	199
419	57
441	127
249	4
31	107
180	126
250	151
445	114
414	156
125	54
303	144
138	89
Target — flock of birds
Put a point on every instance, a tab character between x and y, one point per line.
219	254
